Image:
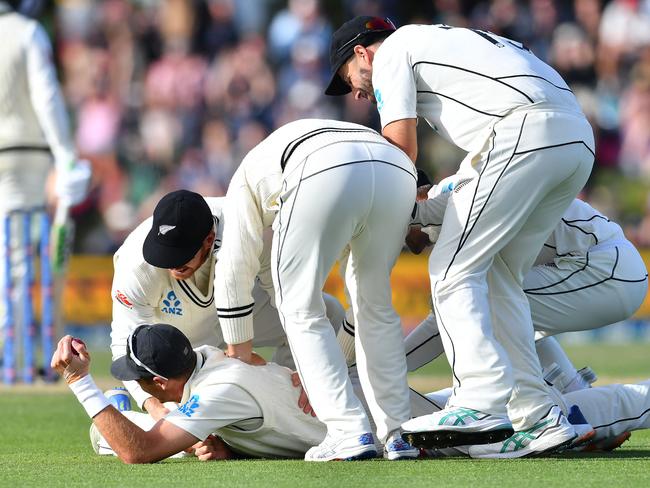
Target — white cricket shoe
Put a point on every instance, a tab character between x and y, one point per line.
456	426
397	449
98	443
552	432
349	448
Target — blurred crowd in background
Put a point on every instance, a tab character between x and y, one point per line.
168	94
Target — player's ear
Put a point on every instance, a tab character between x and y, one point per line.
209	239
160	382
360	51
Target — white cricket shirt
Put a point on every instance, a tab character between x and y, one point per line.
252	203
254	409
461	81
32	111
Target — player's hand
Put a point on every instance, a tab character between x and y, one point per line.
71	359
257	360
155	408
243	351
416	240
303	401
422	193
72	184
212	449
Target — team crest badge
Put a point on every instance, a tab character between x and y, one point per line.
163	229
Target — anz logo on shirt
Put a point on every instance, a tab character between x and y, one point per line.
171	304
190	406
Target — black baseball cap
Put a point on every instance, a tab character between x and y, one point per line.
154	350
181	221
362	30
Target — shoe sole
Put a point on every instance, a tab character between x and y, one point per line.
403	455
360	457
440	439
582	440
354	456
608	445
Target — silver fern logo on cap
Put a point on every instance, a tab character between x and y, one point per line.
163	229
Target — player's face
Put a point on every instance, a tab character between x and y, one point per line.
357	73
189	268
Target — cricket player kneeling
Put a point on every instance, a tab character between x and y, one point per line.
253	408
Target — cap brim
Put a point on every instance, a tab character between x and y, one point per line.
164	256
123	368
337	86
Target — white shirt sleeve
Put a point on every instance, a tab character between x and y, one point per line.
238	261
430	213
47	99
210	409
131	308
394	83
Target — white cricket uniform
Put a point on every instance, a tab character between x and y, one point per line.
34	128
322	185
254	409
587	275
531	150
144	294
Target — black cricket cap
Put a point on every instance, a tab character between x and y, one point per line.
154	350
423	178
362	30
181	221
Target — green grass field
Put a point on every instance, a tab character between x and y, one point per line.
44	442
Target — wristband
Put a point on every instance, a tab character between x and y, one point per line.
91	398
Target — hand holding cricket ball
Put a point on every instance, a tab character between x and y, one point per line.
71	359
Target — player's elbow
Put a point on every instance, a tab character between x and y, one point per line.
136	457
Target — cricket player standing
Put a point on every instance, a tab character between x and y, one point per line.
34	129
530	151
321	185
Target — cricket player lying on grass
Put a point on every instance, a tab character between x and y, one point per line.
254	409
165	273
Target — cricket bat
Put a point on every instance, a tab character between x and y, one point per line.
61	238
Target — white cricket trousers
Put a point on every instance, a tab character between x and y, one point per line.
580	292
22	186
530	169
361	194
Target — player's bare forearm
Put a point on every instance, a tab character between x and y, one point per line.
403	134
136	446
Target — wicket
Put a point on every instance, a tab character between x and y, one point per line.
28	321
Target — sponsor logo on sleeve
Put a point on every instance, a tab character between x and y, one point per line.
171	304
190	406
380	100
122	298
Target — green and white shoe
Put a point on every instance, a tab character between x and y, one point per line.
456	426
551	433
